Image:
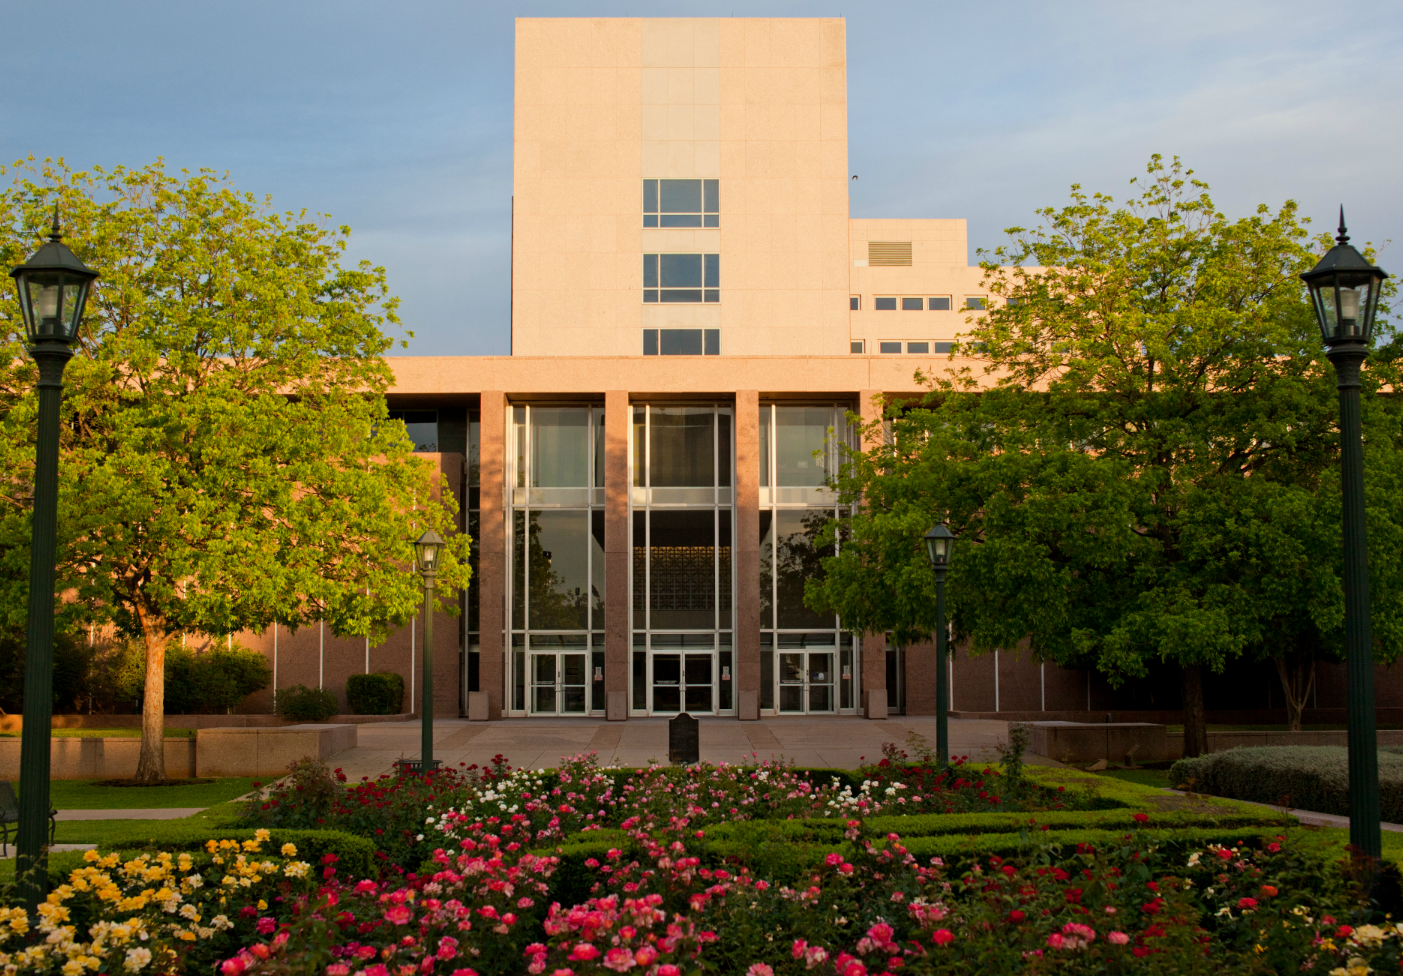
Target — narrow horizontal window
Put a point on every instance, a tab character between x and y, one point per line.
912	304
889	347
650	342
884	304
941	304
711	344
944	347
858	347
855	303
918	348
976	304
681	203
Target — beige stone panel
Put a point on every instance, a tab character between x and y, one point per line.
732	42
681	316
654	86
706	123
757	43
706	86
731	121
706	42
624	159
833	122
706	158
655	119
808	195
732	153
680	90
806	121
680	119
681	159
526	160
835	196
679	239
653	158
833	161
833	85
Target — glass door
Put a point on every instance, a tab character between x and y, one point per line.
558	683
806	682
684	682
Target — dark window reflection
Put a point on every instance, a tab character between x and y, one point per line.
682	570
797	556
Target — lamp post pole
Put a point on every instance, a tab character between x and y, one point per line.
1344	289
53	290
939	540
942	673
30	862
426	741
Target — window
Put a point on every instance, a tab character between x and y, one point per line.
944	347
421	426
889	347
681	278
919	348
941	304
884	304
976	304
681	203
681	342
858	347
855	303
912	304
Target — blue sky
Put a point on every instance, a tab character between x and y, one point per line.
396	118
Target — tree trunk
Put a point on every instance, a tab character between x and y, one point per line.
151	767
1297	671
1195	718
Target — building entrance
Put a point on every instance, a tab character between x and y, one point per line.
806	682
558	682
684	682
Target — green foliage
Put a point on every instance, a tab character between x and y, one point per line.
379	693
214	680
1305	777
302	704
227	460
1147	468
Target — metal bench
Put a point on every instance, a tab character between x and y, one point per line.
9	814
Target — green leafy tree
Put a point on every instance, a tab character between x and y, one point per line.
1147	467
226	458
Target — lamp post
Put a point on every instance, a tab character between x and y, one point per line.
426	551
53	288
938	542
1344	288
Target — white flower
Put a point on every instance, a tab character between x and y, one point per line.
137	958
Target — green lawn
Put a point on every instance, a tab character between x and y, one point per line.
1145	777
86	794
107	734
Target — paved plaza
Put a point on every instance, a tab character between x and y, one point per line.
532	743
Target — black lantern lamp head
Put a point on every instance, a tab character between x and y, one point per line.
938	542
1345	290
426	551
53	288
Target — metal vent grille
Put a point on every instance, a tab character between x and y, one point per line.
889	254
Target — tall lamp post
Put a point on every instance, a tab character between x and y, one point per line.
53	288
1344	288
938	542
426	552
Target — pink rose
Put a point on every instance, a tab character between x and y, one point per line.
759	969
583	952
942	936
1054	941
1117	938
399	915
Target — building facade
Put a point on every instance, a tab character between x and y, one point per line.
694	315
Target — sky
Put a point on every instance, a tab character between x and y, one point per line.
396	118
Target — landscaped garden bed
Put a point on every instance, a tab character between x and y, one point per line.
749	869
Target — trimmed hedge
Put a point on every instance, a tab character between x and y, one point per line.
1305	777
298	703
379	693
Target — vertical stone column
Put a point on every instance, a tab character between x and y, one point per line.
874	646
492	552
746	555
618	415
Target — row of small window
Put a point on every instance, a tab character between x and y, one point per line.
681	203
681	278
681	342
890	303
859	346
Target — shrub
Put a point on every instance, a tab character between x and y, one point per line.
213	681
1306	777
302	704
381	693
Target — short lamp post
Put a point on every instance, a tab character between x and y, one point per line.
426	552
53	288
939	541
1344	288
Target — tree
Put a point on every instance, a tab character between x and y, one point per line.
226	460
1147	467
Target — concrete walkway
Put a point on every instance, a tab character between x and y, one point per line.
161	813
534	743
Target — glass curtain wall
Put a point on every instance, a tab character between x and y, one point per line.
557	560
681	579
808	664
